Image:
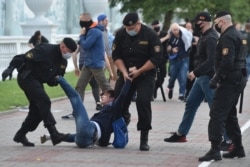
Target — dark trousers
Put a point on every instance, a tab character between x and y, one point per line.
144	87
94	87
223	113
39	104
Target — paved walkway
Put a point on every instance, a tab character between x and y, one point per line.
166	118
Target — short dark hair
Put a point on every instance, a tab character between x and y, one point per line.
111	93
247	26
155	22
37	33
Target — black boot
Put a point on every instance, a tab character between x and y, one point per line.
144	141
236	152
20	137
55	136
213	153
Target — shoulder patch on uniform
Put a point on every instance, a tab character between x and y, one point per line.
29	55
143	43
225	51
244	42
157	49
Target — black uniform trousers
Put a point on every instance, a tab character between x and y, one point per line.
144	87
223	113
39	103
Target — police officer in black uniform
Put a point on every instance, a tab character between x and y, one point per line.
40	65
229	80
136	52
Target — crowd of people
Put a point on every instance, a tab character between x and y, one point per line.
208	56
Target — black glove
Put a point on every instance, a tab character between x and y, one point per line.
7	73
213	82
52	82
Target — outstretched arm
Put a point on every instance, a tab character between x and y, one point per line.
118	103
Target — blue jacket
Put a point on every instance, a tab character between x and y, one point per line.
93	45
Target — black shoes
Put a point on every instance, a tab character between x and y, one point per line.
144	146
236	152
176	138
22	139
144	141
181	98
58	138
211	155
215	154
68	117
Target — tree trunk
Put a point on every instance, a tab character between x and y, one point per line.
167	20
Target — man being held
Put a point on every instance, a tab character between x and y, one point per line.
178	47
96	130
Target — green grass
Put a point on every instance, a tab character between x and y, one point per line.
11	96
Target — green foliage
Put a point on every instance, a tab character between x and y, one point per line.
165	10
12	96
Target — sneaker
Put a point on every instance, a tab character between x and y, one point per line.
176	138
170	93
98	106
69	116
45	138
227	146
181	98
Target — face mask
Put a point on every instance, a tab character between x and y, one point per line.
157	29
66	55
217	28
132	32
85	23
198	27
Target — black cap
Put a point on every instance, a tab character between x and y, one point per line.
155	22
203	16
130	19
70	43
221	13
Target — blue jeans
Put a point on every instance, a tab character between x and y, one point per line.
85	129
178	70
199	90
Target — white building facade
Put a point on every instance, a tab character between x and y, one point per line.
63	14
19	19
